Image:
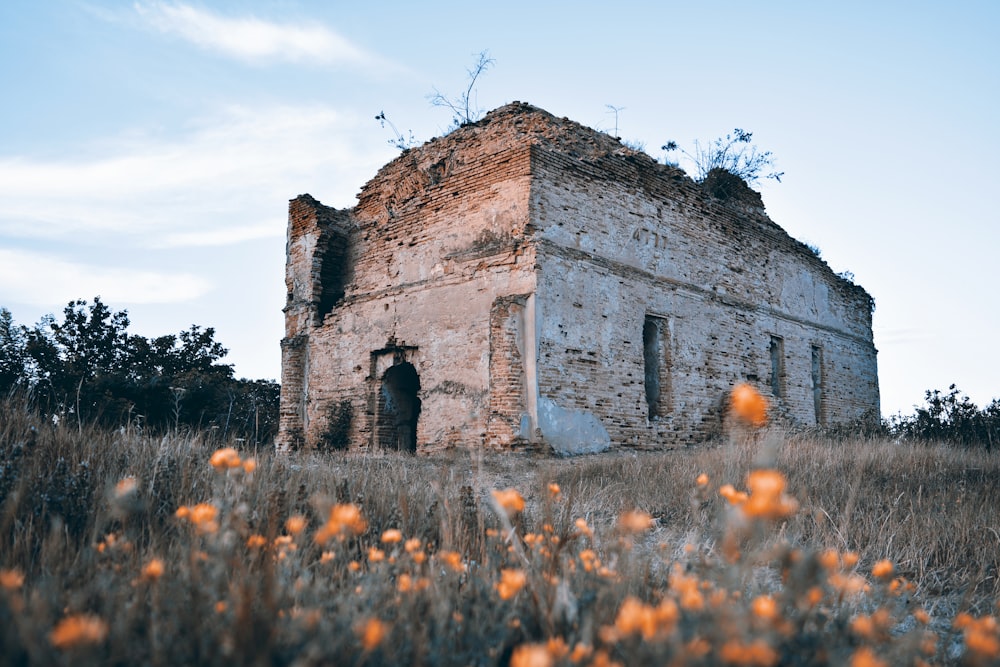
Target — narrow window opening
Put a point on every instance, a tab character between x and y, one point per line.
817	383
656	366
651	362
777	367
333	271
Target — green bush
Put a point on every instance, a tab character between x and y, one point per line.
951	418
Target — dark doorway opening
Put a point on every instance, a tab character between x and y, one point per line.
399	408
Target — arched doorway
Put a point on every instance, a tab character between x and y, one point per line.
399	408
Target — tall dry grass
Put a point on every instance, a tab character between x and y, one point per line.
628	558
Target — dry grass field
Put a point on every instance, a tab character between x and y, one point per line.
766	548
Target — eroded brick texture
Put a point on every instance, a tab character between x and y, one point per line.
527	281
507	401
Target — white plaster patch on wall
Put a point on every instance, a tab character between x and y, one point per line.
571	432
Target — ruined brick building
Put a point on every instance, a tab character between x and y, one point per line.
526	281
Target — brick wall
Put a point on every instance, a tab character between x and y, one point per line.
515	264
723	281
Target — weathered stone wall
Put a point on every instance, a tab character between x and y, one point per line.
436	240
720	281
546	285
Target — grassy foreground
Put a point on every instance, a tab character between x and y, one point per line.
765	549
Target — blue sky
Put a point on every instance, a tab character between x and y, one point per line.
148	149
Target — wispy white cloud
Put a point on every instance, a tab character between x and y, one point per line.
251	38
224	181
38	278
221	237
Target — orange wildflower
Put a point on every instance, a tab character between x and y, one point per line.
580	652
11	579
554	489
153	570
511	581
757	653
635	521
814	596
249	465
392	536
344	520
733	496
78	630
589	559
203	517
295	524
371	633
451	559
510	500
767	498
829	559
375	555
764	607
982	637
848	584
225	458
689	595
531	655
534	539
126	487
747	405
702	480
411	545
865	657
581	525
557	648
882	569
863	626
697	648
961	621
636	618
256	541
